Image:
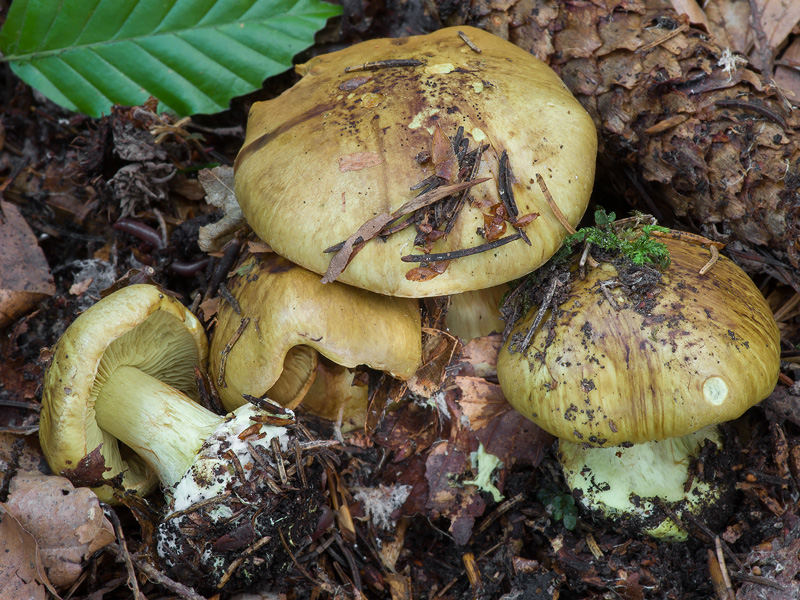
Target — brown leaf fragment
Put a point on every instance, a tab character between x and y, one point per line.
68	523
448	464
692	10
354	82
443	155
89	470
427	273
408	430
358	161
25	278
21	572
503	431
364	233
479	356
438	349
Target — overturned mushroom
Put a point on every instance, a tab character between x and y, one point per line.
344	156
124	372
633	368
269	349
122	380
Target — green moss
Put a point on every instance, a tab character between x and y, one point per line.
633	241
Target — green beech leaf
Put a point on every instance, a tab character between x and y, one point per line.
193	55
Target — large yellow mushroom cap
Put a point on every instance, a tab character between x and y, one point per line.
339	148
286	310
701	350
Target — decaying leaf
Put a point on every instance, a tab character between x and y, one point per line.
25	278
21	572
479	356
218	184
89	471
409	430
502	430
67	523
448	463
438	349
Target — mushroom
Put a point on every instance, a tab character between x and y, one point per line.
122	380
124	372
634	382
342	147
286	316
477	313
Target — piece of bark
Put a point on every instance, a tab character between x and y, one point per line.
717	145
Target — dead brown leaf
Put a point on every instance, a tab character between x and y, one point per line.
25	278
67	523
788	78
448	464
778	18
438	349
89	470
502	430
691	8
409	430
21	572
443	156
479	356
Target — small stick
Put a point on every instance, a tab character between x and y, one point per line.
469	42
608	295
711	261
663	39
556	211
223	359
427	258
757	108
540	315
228	297
723	567
685	236
276	454
385	64
121	550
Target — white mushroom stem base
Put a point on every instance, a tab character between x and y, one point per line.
630	483
162	425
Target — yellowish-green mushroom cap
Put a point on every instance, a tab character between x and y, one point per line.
136	340
287	315
339	148
646	376
701	350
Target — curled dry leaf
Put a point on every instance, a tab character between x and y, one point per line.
25	278
218	184
67	523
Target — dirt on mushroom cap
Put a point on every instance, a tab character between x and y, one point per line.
699	350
